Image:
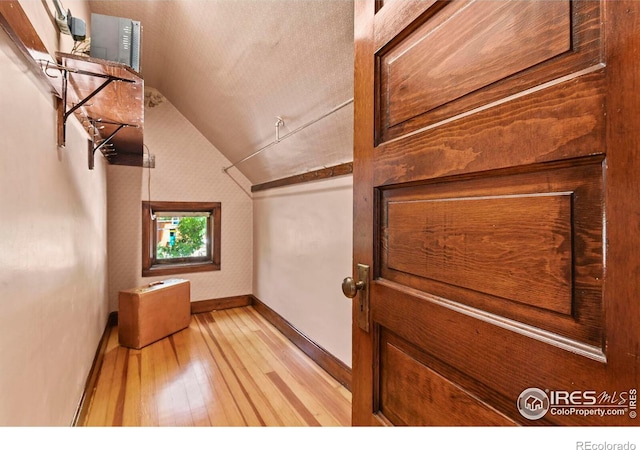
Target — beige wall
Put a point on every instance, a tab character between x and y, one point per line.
302	251
188	168
53	256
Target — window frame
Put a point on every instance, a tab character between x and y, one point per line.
150	265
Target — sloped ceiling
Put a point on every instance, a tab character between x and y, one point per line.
232	67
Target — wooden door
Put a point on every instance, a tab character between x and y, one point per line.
496	202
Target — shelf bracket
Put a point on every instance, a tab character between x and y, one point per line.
65	81
92	145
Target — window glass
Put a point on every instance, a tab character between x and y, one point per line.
180	237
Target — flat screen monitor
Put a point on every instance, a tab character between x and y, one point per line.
116	39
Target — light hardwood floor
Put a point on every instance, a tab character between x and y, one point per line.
229	368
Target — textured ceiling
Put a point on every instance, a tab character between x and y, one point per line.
231	67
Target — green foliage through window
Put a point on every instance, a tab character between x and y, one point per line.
185	239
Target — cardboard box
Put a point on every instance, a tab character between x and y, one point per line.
153	312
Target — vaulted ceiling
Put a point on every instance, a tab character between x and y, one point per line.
232	67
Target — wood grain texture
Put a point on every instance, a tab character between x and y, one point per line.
562	121
404	378
480	59
467	241
120	102
237	301
314	175
527	246
474	357
562	127
363	203
622	197
228	368
394	15
461	53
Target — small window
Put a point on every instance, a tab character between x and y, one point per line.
180	237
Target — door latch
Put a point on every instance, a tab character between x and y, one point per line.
352	288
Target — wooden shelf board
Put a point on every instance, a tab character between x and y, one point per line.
118	103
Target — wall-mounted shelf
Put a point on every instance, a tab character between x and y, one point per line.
108	100
106	97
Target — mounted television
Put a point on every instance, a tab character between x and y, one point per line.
116	39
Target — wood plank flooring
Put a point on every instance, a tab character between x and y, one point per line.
228	368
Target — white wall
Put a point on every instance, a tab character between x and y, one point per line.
188	169
53	256
302	252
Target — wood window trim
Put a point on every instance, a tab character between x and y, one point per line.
149	269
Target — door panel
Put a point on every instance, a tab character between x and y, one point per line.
492	41
461	55
562	121
482	147
481	240
464	242
404	377
489	357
